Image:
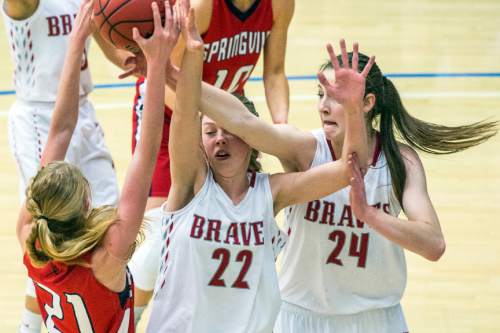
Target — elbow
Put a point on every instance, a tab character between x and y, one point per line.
437	251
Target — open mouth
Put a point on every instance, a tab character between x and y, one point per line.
222	155
330	123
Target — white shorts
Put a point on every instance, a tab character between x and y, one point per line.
29	125
294	319
145	262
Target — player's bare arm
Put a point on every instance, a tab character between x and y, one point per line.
65	114
421	233
299	187
20	9
186	157
137	183
203	15
283	141
275	81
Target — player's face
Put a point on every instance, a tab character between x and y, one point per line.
331	112
227	154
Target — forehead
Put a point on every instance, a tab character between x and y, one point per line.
207	121
330	74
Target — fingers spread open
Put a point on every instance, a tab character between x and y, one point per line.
368	66
355	56
333	57
323	80
156	17
137	36
343	49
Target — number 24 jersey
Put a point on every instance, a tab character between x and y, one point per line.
333	263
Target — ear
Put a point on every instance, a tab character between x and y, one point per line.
369	102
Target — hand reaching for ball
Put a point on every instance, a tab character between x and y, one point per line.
189	30
82	27
159	45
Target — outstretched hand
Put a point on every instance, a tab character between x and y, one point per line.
159	46
82	26
348	88
357	195
189	30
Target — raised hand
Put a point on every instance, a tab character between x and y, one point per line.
159	46
82	27
348	88
137	64
189	30
357	195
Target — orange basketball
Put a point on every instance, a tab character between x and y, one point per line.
116	18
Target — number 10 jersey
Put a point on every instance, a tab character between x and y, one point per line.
333	263
233	43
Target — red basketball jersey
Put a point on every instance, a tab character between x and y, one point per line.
234	41
72	300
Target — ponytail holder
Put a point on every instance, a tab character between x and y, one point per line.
55	226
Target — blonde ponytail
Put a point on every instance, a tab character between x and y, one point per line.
64	229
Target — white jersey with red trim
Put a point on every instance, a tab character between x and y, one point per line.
334	263
38	46
218	269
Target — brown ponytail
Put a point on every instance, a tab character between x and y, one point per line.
395	122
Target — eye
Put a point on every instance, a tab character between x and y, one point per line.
210	132
321	93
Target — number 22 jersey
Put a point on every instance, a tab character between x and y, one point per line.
333	263
218	263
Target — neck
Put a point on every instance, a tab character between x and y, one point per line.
371	141
234	186
243	5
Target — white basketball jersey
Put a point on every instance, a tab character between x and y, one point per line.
218	269
38	46
334	263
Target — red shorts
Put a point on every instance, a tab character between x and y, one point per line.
160	184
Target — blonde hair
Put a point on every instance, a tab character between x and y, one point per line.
64	225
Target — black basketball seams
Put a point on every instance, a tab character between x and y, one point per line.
112	29
101	8
106	18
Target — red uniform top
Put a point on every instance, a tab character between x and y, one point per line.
233	43
72	300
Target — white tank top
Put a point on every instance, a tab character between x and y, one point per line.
217	270
334	263
38	45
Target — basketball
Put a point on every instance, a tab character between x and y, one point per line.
115	19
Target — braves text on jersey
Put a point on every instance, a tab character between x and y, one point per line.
217	270
334	263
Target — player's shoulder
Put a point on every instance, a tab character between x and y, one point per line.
283	9
410	157
20	10
203	10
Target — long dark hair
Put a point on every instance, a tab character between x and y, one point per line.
393	120
255	165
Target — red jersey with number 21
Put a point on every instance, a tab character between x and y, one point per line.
72	300
234	41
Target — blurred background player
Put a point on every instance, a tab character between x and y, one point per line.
235	33
38	32
77	255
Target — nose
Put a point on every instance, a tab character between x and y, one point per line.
221	138
324	106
